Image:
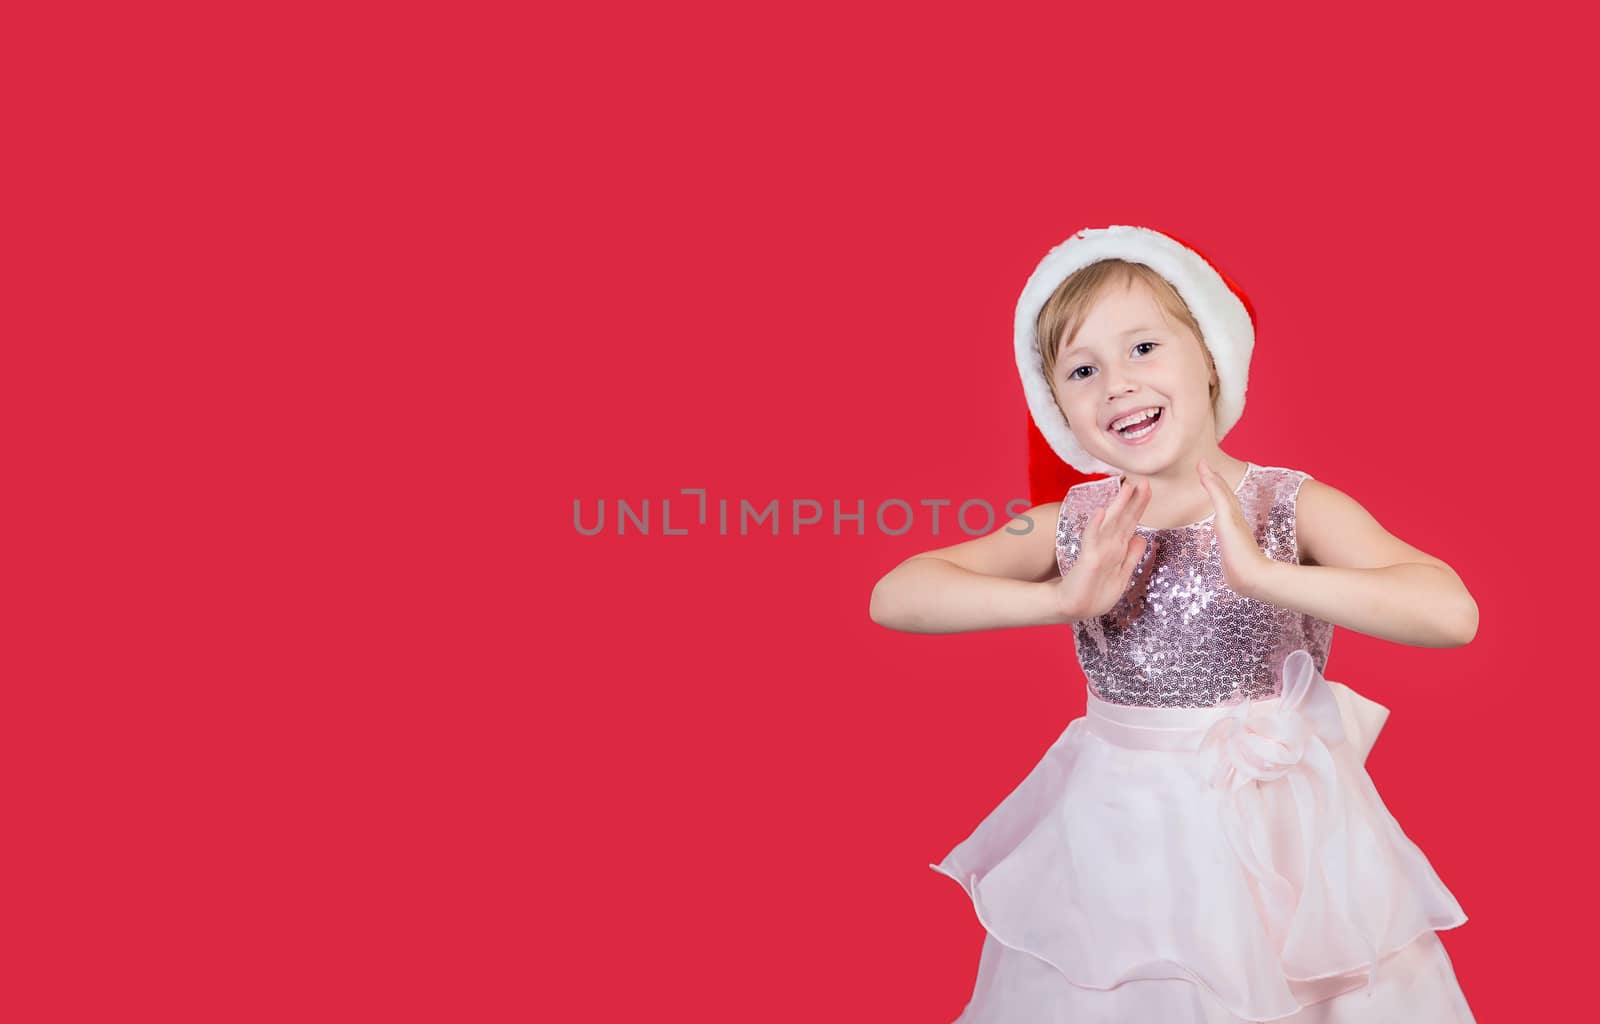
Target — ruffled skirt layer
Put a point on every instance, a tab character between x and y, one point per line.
1415	985
1209	865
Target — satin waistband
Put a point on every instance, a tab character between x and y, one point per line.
1147	728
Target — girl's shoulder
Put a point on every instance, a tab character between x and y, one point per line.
1275	489
1081	500
1089	491
1282	481
1273	502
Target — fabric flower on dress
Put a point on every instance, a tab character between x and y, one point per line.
1285	740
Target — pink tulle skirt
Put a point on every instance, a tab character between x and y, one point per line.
1210	865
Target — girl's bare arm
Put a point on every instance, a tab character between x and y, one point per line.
1364	578
1004	579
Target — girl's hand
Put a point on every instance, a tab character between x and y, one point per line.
1243	561
1107	553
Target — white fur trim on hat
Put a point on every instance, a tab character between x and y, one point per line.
1224	321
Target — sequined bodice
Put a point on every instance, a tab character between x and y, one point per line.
1180	637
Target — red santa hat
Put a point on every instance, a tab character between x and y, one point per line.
1227	326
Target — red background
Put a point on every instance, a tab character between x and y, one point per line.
318	705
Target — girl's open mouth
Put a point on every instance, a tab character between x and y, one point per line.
1140	431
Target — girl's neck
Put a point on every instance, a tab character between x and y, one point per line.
1176	494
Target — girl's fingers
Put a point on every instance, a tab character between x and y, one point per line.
1113	523
1115	507
1118	502
1128	514
1135	552
1091	529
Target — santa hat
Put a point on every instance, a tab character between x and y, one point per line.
1227	326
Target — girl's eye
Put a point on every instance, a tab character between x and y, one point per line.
1074	374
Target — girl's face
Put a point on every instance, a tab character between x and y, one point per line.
1129	356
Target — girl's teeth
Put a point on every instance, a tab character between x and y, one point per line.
1143	426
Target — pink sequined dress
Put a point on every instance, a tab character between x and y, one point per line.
1205	844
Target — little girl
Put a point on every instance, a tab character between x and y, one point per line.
1205	843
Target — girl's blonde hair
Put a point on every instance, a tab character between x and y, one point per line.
1069	305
